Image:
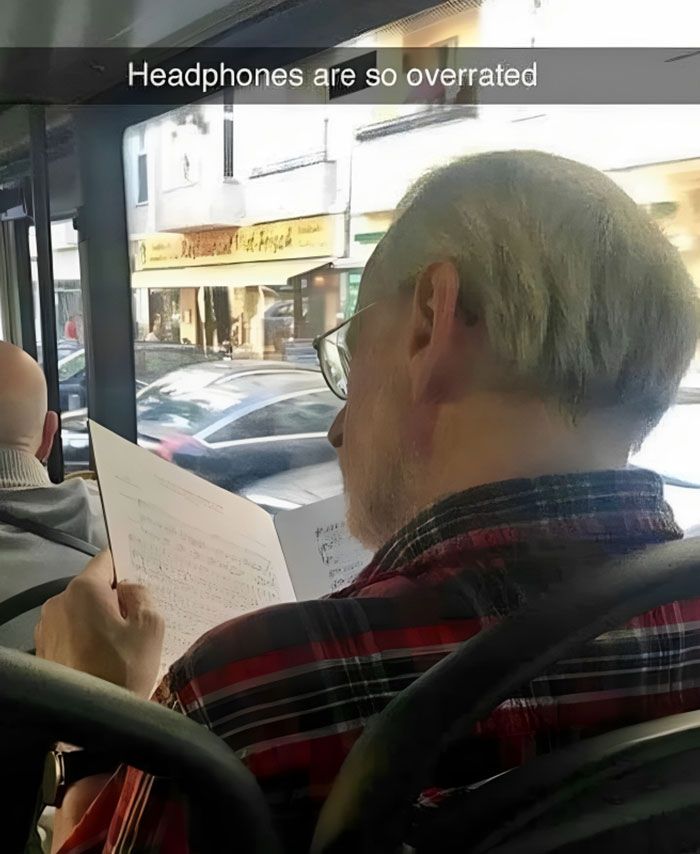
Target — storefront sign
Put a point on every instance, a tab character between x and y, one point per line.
353	293
272	241
367	231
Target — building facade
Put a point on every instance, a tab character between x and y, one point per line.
236	224
221	183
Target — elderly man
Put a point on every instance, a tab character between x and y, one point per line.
522	326
27	433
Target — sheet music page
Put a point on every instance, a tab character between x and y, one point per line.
206	555
321	554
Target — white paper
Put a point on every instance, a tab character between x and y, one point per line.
206	555
321	555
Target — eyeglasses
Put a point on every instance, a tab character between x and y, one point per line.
334	355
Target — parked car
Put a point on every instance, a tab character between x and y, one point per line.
72	380
671	450
152	360
64	347
292	489
300	350
231	423
279	322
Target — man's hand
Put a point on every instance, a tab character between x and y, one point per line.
114	634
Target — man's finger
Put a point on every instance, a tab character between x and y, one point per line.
92	588
38	643
100	569
136	603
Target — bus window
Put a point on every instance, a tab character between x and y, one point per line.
250	226
224	311
70	332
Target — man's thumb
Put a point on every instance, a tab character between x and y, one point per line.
136	602
100	568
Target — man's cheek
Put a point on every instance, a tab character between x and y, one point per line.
350	438
358	441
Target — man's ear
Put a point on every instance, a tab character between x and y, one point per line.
440	337
47	437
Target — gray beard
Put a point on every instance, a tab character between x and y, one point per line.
375	517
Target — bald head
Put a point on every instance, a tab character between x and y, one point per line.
25	424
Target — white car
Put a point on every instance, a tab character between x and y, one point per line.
296	487
672	450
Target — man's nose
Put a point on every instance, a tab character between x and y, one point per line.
335	434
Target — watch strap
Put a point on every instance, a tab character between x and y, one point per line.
86	763
63	769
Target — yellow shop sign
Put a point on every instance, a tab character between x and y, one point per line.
270	241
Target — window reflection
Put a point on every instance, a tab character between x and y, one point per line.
250	227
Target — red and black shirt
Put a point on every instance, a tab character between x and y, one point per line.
290	688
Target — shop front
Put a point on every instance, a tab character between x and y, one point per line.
670	193
244	290
366	230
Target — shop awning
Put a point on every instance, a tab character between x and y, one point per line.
348	264
271	273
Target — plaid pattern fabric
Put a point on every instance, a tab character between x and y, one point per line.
290	688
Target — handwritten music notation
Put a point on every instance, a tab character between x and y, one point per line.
339	553
197	580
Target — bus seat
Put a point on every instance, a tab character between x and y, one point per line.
636	788
42	702
370	806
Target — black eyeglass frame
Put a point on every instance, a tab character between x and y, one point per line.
320	342
405	287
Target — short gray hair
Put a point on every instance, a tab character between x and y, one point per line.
586	303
